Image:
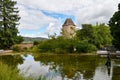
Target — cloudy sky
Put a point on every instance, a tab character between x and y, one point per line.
42	17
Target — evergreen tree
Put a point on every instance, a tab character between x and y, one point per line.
8	21
114	24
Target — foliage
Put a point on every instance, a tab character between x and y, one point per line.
63	45
35	42
53	45
84	46
8	21
98	35
8	73
19	39
114	24
87	40
16	48
86	33
102	36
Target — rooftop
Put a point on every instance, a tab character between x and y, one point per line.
68	22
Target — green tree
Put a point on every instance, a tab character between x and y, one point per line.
8	21
114	24
19	39
98	35
86	33
102	36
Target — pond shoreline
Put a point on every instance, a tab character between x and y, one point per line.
11	52
6	52
72	54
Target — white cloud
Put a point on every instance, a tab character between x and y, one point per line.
54	28
33	19
66	5
98	11
85	11
50	28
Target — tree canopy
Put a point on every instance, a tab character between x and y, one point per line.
102	36
86	33
98	34
114	24
8	24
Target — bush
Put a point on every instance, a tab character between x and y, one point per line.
91	48
60	51
35	42
85	47
45	46
16	48
62	45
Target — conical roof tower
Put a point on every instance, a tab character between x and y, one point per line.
68	21
68	28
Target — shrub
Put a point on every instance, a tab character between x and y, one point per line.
60	51
64	45
35	42
91	48
16	48
85	47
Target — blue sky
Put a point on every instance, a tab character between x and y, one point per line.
42	17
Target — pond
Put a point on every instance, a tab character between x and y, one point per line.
64	67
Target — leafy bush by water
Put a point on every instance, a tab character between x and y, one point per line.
62	45
85	47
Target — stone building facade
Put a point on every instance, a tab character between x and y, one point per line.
68	28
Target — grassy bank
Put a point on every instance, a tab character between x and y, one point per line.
7	73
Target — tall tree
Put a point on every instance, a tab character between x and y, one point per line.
98	34
114	24
8	21
86	33
102	36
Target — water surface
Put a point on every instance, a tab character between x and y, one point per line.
64	67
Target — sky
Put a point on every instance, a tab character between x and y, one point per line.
40	18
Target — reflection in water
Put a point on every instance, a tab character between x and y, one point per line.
103	73
33	68
64	67
116	73
11	60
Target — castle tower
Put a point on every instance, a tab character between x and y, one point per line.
68	28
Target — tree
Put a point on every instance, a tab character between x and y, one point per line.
98	34
19	39
8	21
86	33
114	24
102	36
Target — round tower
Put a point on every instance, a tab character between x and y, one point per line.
68	28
